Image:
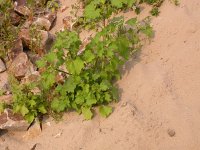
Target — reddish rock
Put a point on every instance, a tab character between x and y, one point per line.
11	121
67	21
45	22
4	84
2	66
22	10
7	99
24	35
46	42
15	18
20	2
21	66
17	49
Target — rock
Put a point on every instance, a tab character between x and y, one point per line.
33	57
4	83
42	23
45	22
51	17
46	39
20	2
2	66
171	132
17	49
24	35
11	121
67	21
22	10
15	18
7	99
21	66
31	78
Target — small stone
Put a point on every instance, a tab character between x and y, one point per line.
21	66
51	17
2	66
171	132
22	10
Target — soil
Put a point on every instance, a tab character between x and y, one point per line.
160	96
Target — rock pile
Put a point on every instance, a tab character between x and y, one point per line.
21	60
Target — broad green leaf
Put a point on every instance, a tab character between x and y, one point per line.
105	111
91	12
58	105
88	56
117	3
51	57
30	117
24	110
91	100
75	67
105	85
42	109
87	113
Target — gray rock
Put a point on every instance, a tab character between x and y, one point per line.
46	39
17	49
22	10
2	66
11	121
45	22
4	84
21	66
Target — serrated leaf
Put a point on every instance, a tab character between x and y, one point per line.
30	117
105	85
42	109
58	105
105	111
117	3
87	113
91	12
148	30
51	57
90	100
75	67
88	56
24	110
41	63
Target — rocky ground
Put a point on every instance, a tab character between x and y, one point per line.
160	91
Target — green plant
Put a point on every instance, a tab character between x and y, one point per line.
26	101
89	79
8	32
155	11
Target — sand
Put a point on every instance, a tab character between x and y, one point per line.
160	97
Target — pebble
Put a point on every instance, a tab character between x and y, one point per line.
171	132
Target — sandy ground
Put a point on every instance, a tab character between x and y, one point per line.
160	93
